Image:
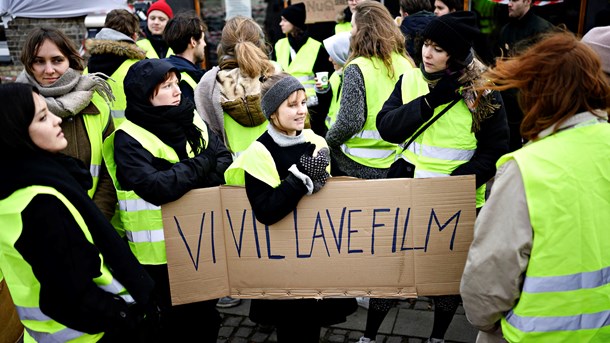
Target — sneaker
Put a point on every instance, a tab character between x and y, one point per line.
226	302
365	340
363	302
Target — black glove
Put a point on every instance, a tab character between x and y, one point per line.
445	91
319	182
314	167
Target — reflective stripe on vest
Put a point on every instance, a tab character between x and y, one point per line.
335	81
24	286
238	137
96	124
145	45
301	66
141	220
446	144
367	147
258	162
567	281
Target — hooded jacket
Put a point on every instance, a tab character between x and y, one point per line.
109	50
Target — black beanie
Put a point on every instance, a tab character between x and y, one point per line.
455	32
296	15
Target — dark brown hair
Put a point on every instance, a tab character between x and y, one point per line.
37	36
181	28
123	21
556	78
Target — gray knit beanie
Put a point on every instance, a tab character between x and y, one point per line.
598	38
337	47
275	96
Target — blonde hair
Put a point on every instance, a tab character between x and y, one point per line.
376	35
243	39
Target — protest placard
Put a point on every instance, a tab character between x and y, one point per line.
380	238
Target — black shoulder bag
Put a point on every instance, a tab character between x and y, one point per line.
402	168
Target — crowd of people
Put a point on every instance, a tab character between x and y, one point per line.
96	148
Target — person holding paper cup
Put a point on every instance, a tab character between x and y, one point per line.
160	152
282	166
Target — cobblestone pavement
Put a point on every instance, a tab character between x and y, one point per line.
409	322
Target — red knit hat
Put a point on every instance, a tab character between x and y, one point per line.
162	6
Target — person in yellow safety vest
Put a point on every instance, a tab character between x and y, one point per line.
468	139
185	36
112	52
161	151
157	16
53	65
282	166
368	77
538	264
302	56
70	275
228	96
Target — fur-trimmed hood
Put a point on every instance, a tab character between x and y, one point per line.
119	48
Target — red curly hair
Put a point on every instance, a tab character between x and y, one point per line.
556	78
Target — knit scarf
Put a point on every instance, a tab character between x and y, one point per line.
480	103
171	124
70	178
72	92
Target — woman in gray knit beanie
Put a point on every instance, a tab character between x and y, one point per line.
282	166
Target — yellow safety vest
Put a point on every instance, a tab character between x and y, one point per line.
446	144
301	66
566	290
141	221
96	125
23	284
343	27
240	137
258	162
145	45
367	147
188	79
335	82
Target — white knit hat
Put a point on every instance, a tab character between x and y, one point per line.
598	38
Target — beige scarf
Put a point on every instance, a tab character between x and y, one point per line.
72	92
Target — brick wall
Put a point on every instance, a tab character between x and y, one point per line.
18	29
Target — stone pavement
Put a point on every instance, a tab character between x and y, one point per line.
409	322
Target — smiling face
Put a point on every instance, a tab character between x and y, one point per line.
290	116
45	130
49	63
156	22
434	57
167	93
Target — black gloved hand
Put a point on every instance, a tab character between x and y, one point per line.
314	167
319	182
445	91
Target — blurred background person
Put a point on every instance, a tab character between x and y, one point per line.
416	14
157	16
442	7
71	276
53	65
302	56
536	266
113	51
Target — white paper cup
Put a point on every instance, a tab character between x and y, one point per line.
322	78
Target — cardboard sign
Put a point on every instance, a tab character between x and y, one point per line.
322	10
409	237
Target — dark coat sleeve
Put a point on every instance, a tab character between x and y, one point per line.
270	204
223	160
397	121
158	181
492	143
65	264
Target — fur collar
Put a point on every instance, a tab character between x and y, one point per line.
119	48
